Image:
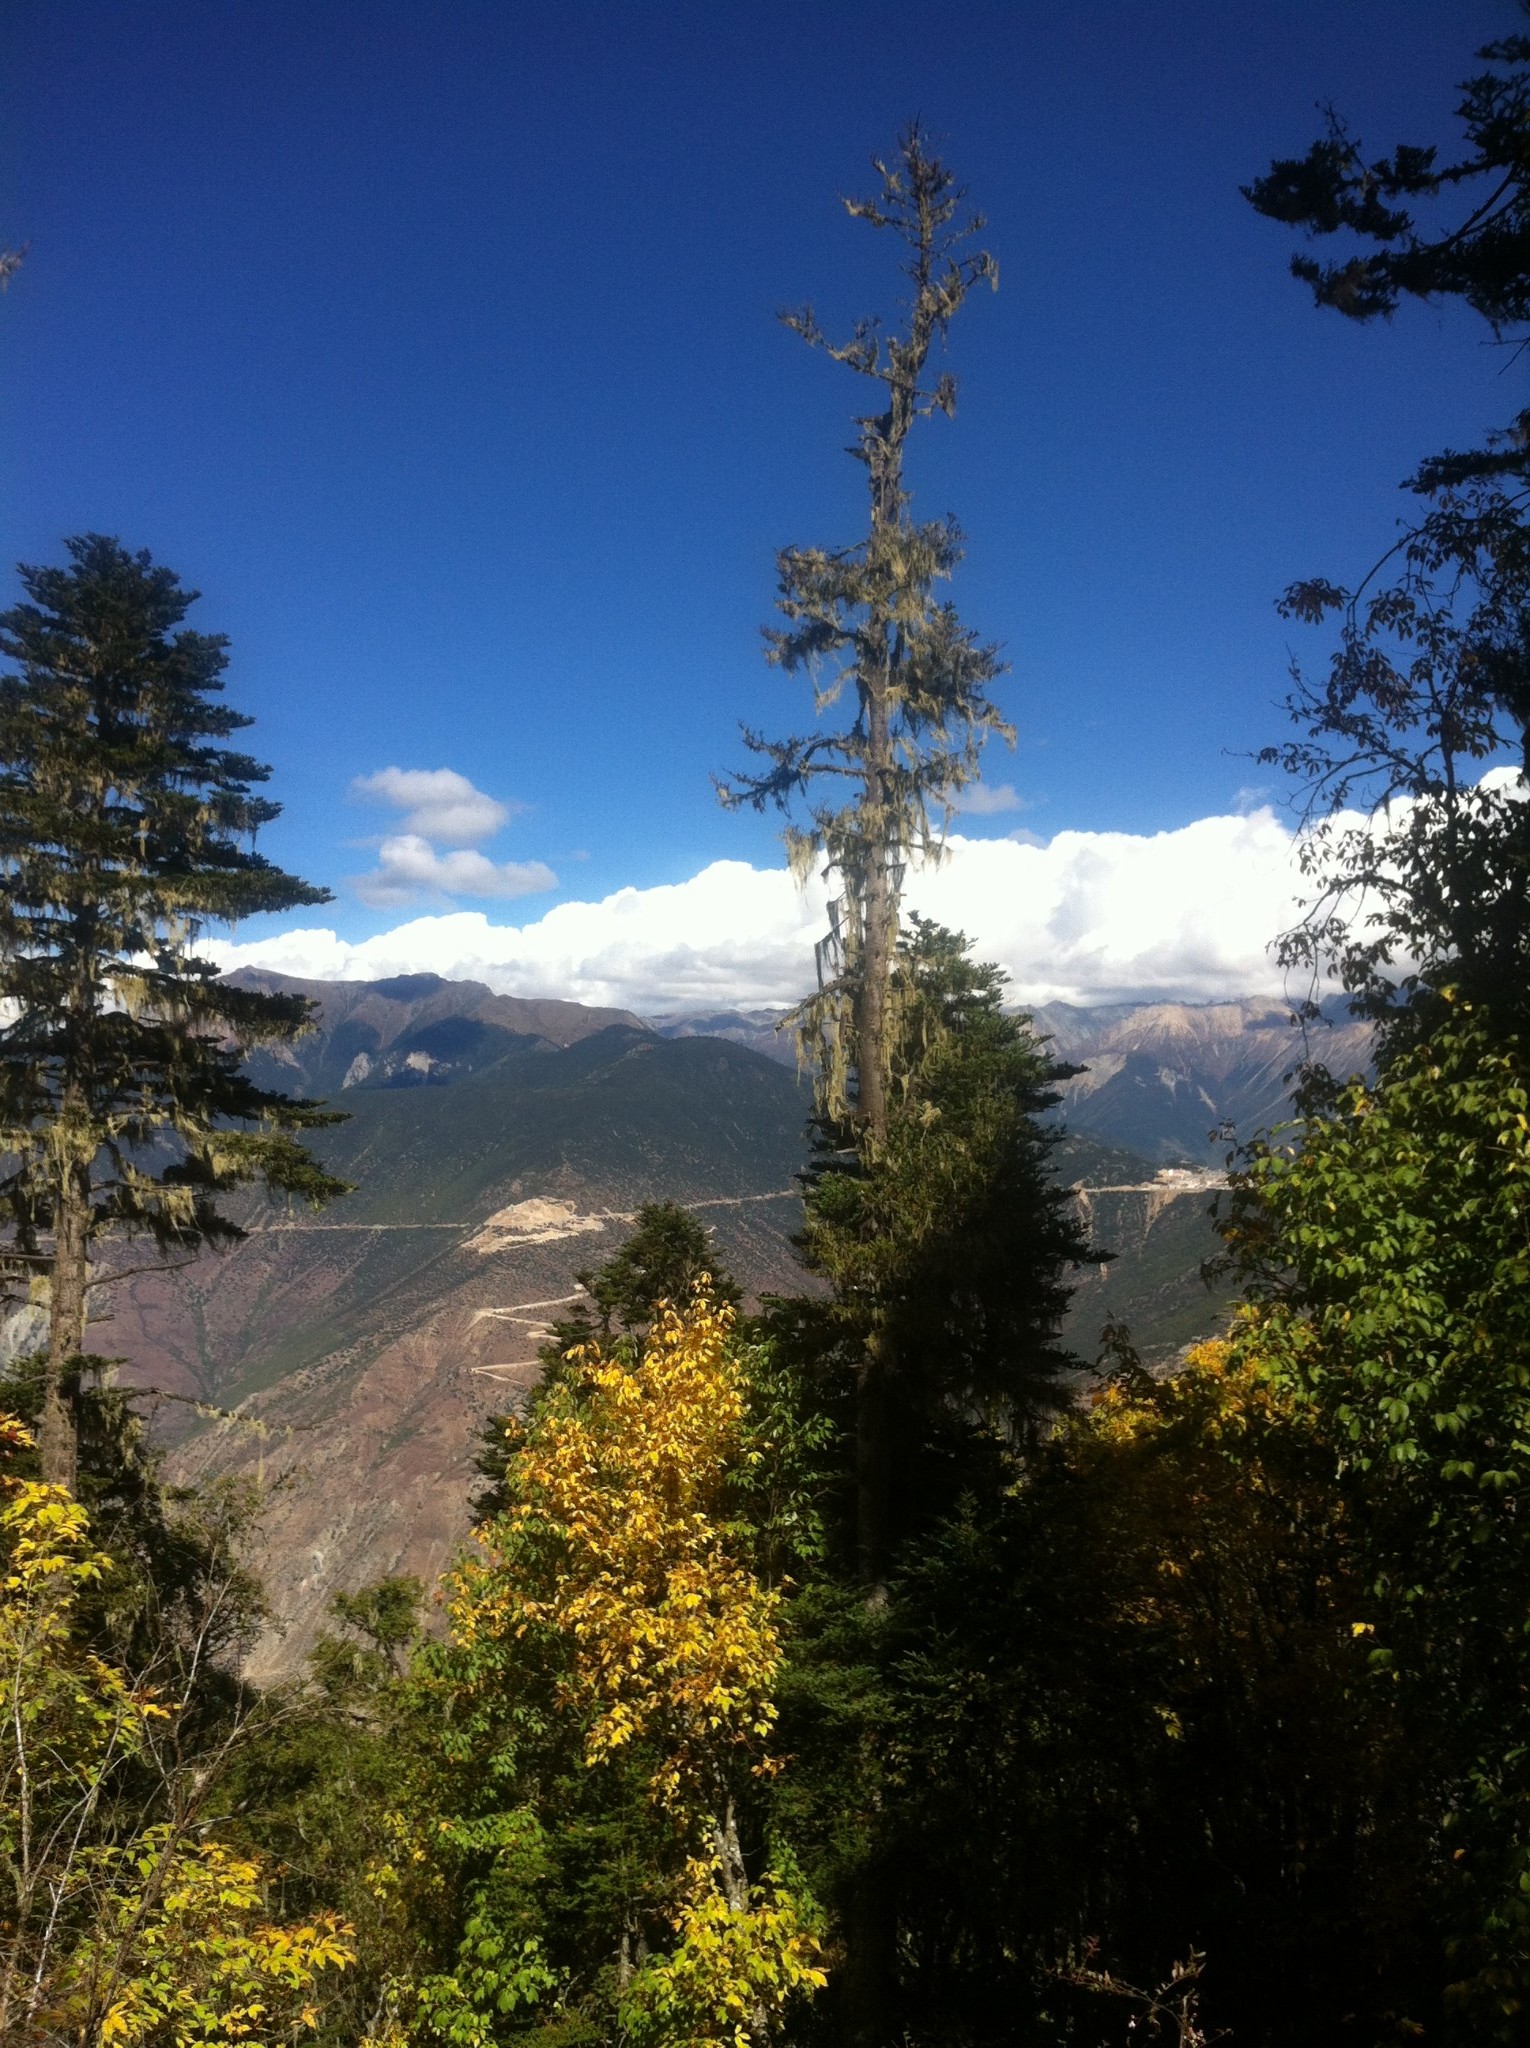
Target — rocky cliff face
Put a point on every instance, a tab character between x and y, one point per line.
1157	1234
1178	1083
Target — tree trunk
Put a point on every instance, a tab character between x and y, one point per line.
57	1436
879	801
867	1978
730	1855
735	1885
879	929
878	921
873	1470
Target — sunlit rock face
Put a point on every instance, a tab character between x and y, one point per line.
1177	1082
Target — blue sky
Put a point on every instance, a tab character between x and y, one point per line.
437	347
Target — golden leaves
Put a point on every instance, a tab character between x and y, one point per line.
143	1934
625	1468
621	1550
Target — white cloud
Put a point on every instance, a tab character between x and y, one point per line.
441	809
1085	917
988	799
409	866
437	803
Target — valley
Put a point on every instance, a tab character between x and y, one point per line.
498	1147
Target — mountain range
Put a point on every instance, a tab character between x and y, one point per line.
1174	1083
499	1145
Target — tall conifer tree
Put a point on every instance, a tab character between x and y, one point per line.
865	621
127	825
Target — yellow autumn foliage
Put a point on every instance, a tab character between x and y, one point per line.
116	1930
622	1548
675	1641
731	1970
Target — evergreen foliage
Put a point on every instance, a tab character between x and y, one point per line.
126	827
946	1260
948	1252
664	1260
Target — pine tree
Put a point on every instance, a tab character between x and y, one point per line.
950	1251
935	1350
127	825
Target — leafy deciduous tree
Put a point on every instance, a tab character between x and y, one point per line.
1425	695
1384	1249
125	1920
608	1682
1482	257
1431	681
668	1252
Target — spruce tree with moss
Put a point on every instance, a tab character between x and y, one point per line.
947	1257
866	623
127	827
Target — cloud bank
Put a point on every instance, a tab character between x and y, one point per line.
1087	917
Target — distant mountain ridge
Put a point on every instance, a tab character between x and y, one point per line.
497	1146
1178	1083
1160	1077
412	1029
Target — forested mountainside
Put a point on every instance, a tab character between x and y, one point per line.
411	1029
1159	1078
362	1347
497	1146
